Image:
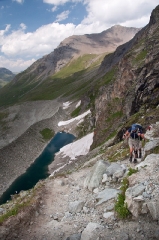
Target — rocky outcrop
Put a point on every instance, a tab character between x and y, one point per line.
132	73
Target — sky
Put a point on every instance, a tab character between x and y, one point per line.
30	29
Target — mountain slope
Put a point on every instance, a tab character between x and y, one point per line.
88	49
133	87
5	76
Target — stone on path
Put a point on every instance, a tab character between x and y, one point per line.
106	195
89	232
76	206
94	179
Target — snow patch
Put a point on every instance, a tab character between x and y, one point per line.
78	148
78	104
73	119
80	122
66	105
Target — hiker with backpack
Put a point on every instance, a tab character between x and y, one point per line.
135	135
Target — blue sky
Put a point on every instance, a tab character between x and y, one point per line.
30	29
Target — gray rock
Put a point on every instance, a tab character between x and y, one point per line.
110	207
154	209
144	208
136	190
89	232
106	194
95	177
157	233
145	195
132	192
108	215
119	173
1	210
76	206
151	144
114	167
105	178
76	236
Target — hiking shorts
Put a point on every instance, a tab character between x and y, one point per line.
133	143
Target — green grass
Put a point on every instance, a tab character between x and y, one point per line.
12	212
140	57
76	112
75	66
107	78
13	207
120	206
132	171
73	81
114	116
47	133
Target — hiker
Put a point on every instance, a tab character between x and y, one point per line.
135	135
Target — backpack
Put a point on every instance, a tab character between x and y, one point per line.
137	128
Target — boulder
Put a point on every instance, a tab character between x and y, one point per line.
113	168
153	207
76	236
106	195
89	232
132	199
76	206
95	177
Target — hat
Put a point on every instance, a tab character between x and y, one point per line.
133	127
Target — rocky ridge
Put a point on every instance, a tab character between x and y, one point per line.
134	83
75	46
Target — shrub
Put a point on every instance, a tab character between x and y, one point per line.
47	133
120	205
131	171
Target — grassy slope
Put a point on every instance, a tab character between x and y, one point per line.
75	77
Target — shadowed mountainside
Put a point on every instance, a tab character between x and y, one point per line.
5	76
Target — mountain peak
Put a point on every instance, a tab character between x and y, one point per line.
154	16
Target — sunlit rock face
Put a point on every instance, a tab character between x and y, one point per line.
133	70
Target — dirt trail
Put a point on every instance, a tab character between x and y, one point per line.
53	221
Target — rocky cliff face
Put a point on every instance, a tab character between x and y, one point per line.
134	81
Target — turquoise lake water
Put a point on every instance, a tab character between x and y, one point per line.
39	169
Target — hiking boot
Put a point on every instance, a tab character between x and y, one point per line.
130	159
135	160
136	155
140	155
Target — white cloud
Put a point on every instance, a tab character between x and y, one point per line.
23	26
18	1
62	16
2	32
15	65
56	2
116	12
61	2
54	9
101	14
38	43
